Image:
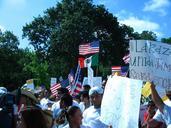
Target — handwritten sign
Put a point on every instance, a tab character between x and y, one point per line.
121	102
151	61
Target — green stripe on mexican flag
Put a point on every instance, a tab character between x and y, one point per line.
90	61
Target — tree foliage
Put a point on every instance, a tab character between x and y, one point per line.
10	69
166	40
56	35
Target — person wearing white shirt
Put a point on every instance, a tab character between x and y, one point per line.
91	116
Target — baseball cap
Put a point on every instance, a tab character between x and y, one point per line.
96	90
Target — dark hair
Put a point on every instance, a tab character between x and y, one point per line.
71	111
63	90
84	94
34	118
87	87
67	99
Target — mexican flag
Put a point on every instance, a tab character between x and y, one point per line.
90	61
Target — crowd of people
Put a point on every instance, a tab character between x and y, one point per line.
42	110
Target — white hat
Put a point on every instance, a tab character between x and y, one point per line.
96	90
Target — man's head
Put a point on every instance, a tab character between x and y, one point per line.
61	91
84	96
65	101
96	94
86	87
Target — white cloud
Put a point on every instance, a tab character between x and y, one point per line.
2	28
157	6
139	25
123	13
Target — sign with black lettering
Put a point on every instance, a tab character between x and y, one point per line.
151	61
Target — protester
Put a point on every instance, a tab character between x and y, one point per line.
148	115
86	87
65	101
61	92
85	102
163	108
74	117
91	116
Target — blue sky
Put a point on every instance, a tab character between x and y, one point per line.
142	15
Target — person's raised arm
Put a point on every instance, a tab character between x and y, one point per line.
156	98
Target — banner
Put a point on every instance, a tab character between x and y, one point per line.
151	61
121	102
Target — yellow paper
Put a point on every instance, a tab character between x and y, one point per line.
165	98
146	90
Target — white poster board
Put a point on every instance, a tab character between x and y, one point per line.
53	81
121	102
151	61
97	81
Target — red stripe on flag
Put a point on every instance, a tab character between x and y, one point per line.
116	68
54	89
87	49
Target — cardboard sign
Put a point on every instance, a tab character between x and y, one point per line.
151	61
121	102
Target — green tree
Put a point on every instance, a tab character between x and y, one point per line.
166	40
148	35
10	69
34	69
56	35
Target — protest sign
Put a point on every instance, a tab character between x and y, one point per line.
97	81
53	81
121	102
151	61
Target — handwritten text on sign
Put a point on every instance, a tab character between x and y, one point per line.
151	60
120	97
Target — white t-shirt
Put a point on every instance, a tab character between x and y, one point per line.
56	106
82	106
91	118
44	103
82	126
158	115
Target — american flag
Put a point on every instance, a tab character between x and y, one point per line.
122	69
71	77
78	88
126	58
54	89
89	48
77	82
69	88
